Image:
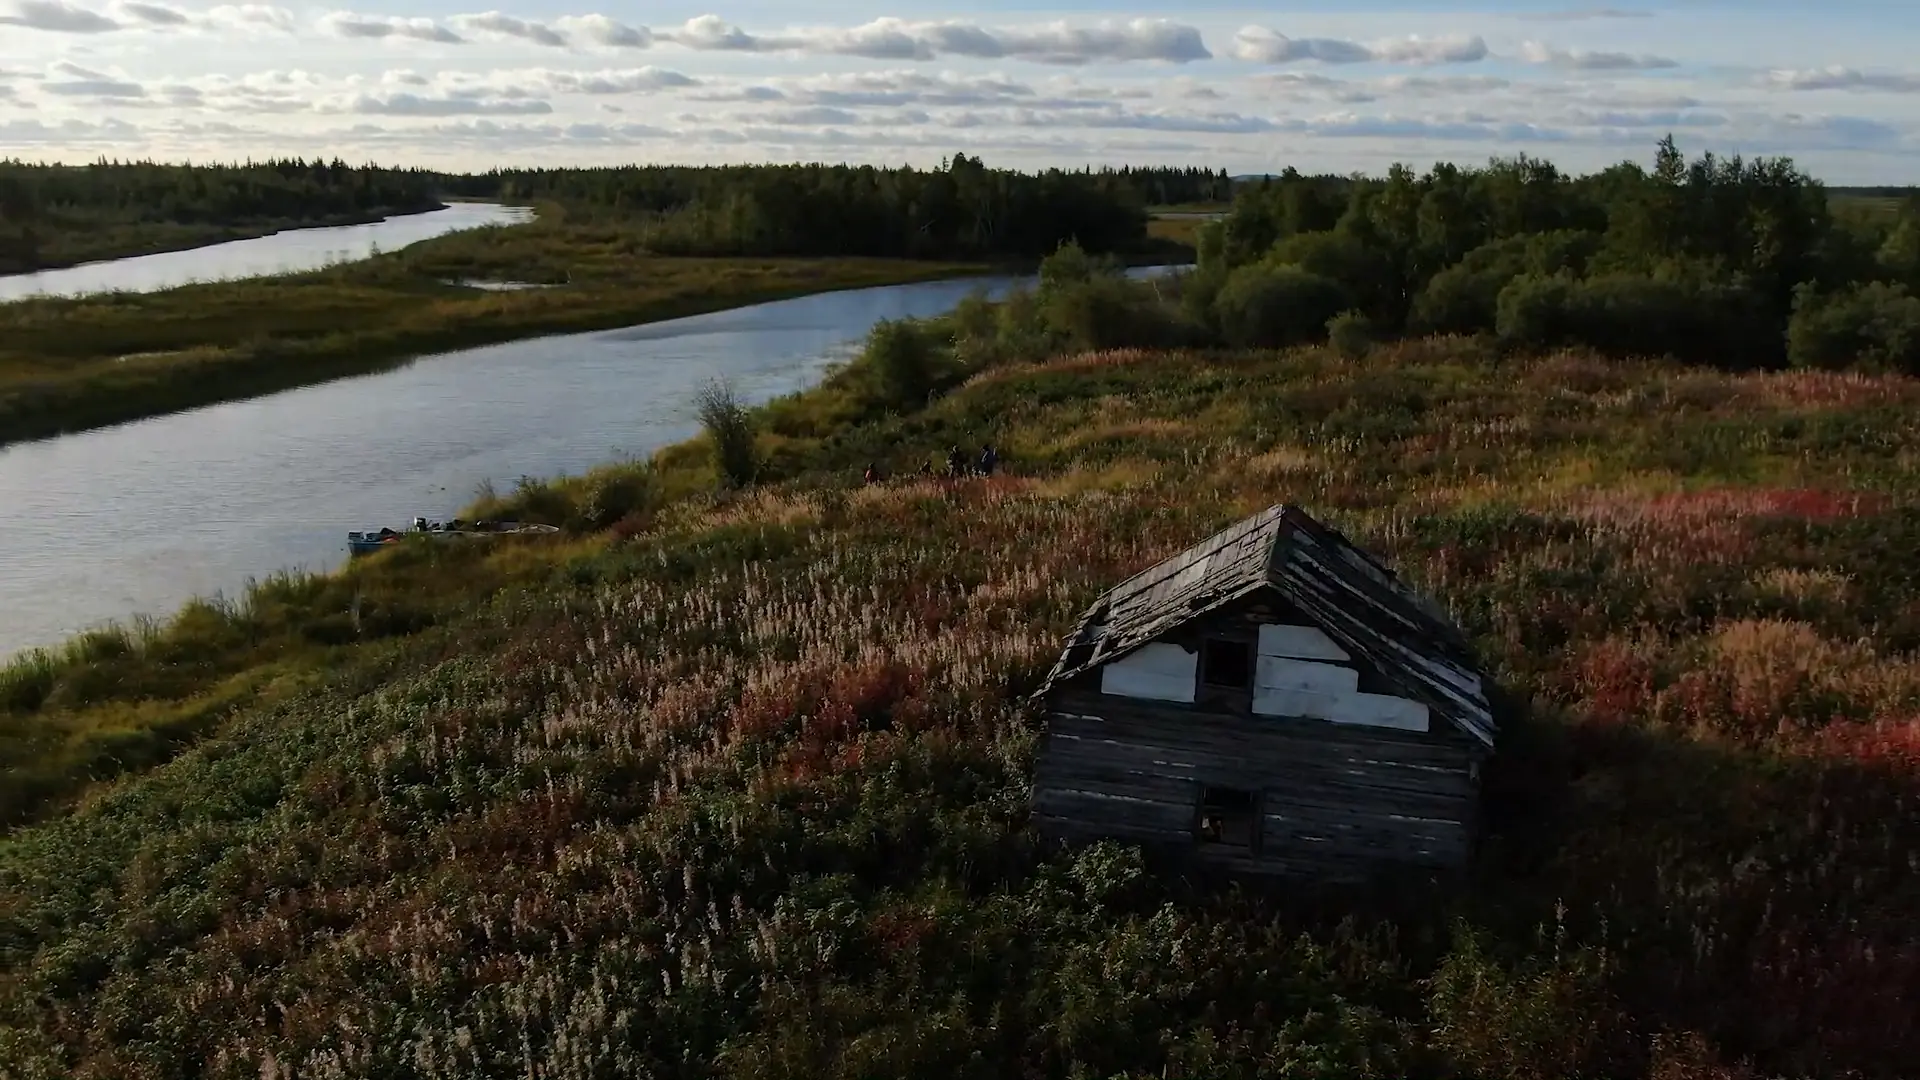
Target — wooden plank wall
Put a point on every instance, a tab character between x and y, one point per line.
1336	800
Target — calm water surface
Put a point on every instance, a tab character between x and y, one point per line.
282	253
144	516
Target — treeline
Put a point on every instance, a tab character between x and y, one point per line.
1720	261
962	210
49	212
1729	263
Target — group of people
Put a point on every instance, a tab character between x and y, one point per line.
958	465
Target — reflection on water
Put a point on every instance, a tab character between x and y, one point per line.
282	253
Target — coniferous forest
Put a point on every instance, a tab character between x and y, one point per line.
56	215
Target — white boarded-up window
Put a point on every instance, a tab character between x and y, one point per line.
1158	672
1277	673
1367	710
1299	643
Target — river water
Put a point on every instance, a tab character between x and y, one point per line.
147	515
288	252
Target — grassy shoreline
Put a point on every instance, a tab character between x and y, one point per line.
132	242
71	365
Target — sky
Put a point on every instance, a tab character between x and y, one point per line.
1320	86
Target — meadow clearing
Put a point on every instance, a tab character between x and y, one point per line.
736	784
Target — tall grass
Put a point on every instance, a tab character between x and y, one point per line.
730	432
740	788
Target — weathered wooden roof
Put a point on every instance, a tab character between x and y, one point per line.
1348	594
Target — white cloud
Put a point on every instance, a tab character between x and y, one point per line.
1535	52
1843	78
501	25
1261	45
348	25
244	16
67	79
626	81
898	39
601	30
58	16
408	104
1583	14
711	32
36	133
153	14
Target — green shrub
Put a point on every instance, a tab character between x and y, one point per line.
1020	332
1875	324
1351	334
1365	272
900	353
1198	288
613	494
1899	255
976	329
539	501
1071	265
1465	298
729	432
1108	313
1686	317
1266	306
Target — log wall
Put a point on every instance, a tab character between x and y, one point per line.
1336	800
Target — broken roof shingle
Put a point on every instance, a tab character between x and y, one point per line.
1350	595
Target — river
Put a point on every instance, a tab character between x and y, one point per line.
147	515
288	252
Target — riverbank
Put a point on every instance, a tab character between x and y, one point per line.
72	364
64	249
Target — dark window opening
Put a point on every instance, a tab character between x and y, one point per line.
1229	818
1227	664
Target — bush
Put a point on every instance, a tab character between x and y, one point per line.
1465	297
1071	265
1899	256
1367	274
616	493
1020	332
900	353
1265	306
1199	288
976	326
538	500
1546	1019
1695	320
1108	313
730	431
1875	324
1351	334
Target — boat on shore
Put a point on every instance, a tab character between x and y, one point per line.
368	541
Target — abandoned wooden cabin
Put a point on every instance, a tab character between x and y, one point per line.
1272	701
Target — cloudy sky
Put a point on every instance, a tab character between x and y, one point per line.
1320	85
